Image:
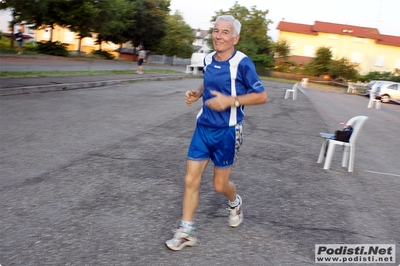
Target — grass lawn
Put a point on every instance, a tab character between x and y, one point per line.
32	74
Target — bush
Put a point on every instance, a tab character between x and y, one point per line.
30	47
52	48
262	61
376	75
5	45
103	54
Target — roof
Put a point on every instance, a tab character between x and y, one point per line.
389	40
200	34
296	27
341	29
24	36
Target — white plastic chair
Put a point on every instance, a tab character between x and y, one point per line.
196	63
351	88
373	100
293	90
304	82
357	123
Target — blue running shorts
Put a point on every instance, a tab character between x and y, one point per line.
221	145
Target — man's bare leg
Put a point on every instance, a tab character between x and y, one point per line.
194	172
222	183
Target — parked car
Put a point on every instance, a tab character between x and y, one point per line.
373	84
388	92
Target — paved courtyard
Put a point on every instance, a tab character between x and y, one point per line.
95	177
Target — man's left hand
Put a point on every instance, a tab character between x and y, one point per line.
220	102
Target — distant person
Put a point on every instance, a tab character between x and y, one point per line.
19	37
229	83
141	59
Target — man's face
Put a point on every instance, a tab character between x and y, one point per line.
222	36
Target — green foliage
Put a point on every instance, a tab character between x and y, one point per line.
287	66
5	45
118	14
52	48
143	22
320	65
178	39
262	61
282	48
344	69
30	47
149	23
376	75
103	54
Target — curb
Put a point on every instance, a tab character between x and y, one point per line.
81	85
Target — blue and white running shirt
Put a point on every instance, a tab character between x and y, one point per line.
235	76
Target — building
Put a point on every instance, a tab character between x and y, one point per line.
365	46
200	43
71	39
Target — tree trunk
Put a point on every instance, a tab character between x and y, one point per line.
12	37
79	46
51	32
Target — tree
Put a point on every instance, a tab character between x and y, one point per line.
282	48
343	68
18	12
149	23
178	38
320	64
84	18
118	14
254	41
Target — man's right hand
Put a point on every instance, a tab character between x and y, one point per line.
191	97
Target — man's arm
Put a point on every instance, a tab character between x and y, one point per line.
221	102
194	95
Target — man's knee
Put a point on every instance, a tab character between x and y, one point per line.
221	186
192	181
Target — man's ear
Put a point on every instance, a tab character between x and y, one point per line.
236	39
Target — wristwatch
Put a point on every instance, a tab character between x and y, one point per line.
237	104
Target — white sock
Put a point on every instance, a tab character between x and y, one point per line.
188	226
234	203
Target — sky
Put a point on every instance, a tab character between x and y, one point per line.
381	14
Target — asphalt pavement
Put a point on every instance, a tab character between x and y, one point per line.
94	176
11	86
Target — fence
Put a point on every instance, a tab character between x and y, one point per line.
168	60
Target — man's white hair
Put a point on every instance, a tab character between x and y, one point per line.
236	24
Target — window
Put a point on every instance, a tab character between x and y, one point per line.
292	47
88	41
333	51
308	51
356	57
69	36
380	59
359	40
332	36
393	87
46	34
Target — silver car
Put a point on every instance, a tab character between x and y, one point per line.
388	92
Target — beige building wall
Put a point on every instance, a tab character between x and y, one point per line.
366	52
70	38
